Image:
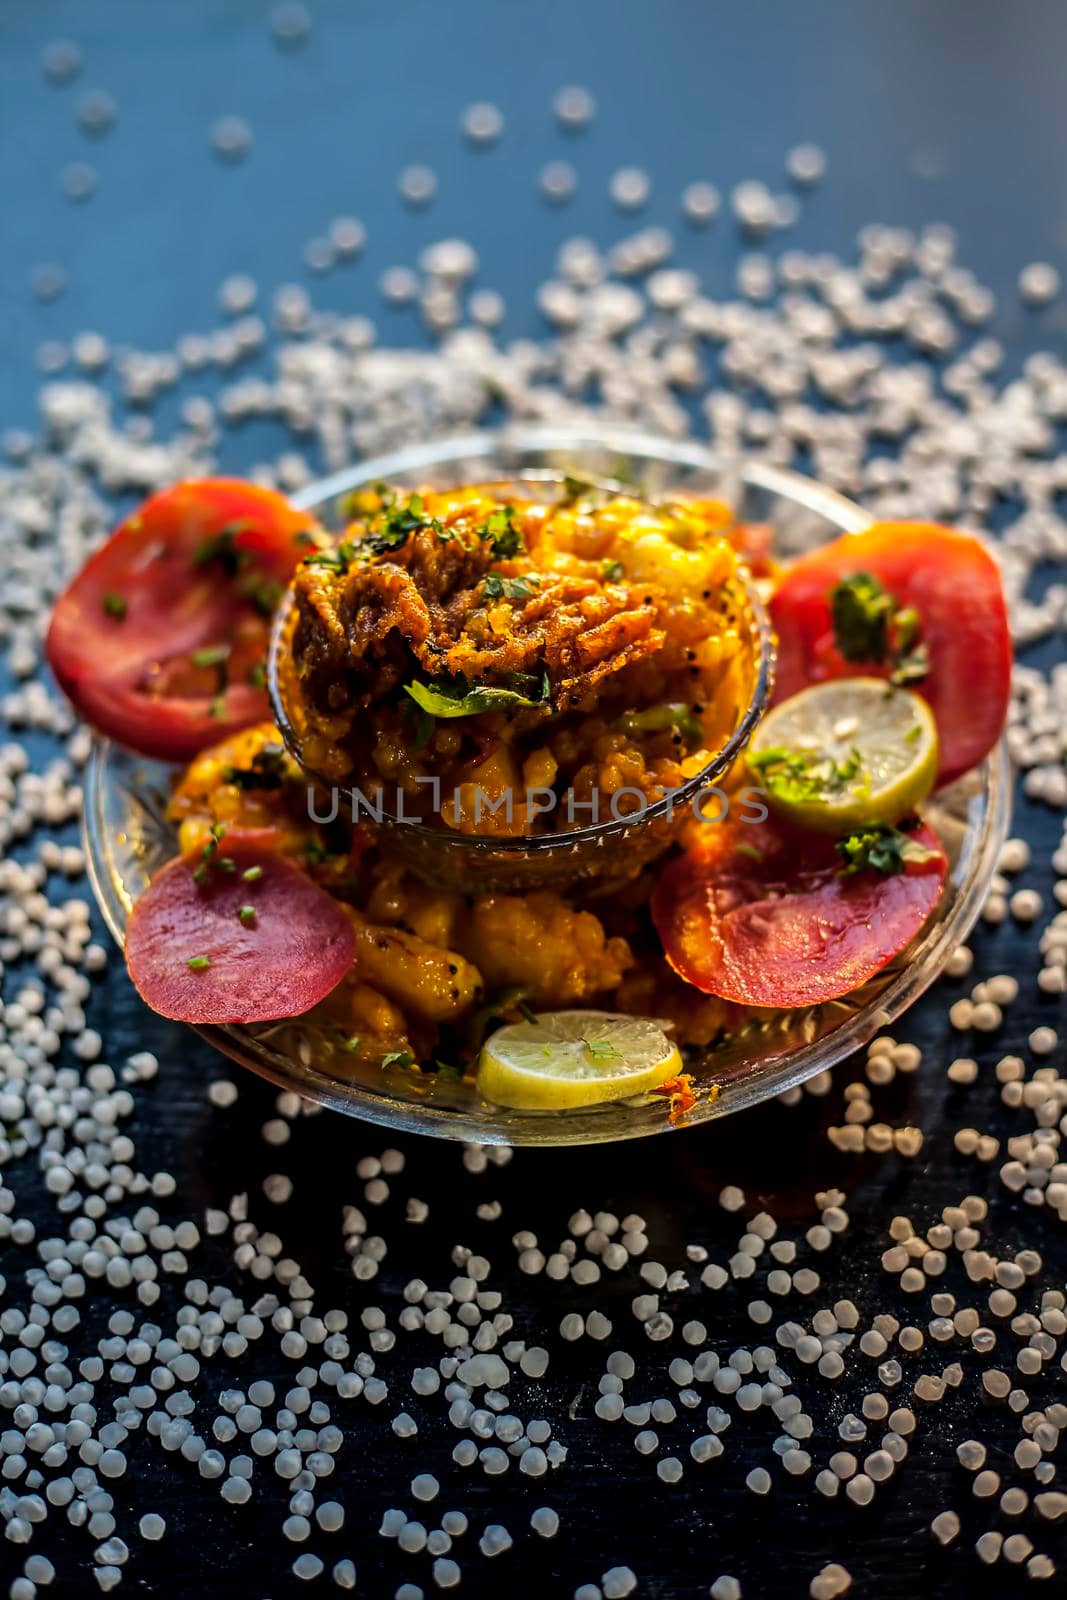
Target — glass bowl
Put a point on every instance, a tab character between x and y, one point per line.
611	850
127	836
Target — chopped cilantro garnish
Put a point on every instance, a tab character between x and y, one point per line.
266	770
448	697
212	655
574	488
501	528
114	605
498	588
675	715
881	848
870	626
198	963
611	571
246	915
326	558
252	874
396	522
397	1058
861	611
797	775
221	547
257	675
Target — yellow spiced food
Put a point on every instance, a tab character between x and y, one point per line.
510	666
455	648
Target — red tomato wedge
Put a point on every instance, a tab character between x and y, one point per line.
161	639
193	956
762	915
952	582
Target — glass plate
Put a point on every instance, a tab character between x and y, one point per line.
127	836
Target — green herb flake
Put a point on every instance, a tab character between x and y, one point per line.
213	655
869	626
611	571
252	874
456	698
504	532
246	916
396	523
198	963
881	848
861	610
114	606
675	716
912	667
397	1058
222	547
601	1049
266	770
498	588
799	775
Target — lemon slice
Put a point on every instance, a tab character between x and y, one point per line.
846	754
564	1059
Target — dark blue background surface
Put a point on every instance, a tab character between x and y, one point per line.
688	89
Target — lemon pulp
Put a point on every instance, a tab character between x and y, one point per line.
846	754
564	1059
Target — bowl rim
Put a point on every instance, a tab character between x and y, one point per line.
972	873
569	841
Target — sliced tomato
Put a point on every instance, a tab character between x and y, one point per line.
161	639
952	582
761	913
195	957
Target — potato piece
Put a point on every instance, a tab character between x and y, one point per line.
425	980
539	943
367	1027
404	902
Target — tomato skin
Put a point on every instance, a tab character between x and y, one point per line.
776	923
174	603
294	952
953	583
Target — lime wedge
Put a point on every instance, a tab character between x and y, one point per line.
564	1059
846	754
